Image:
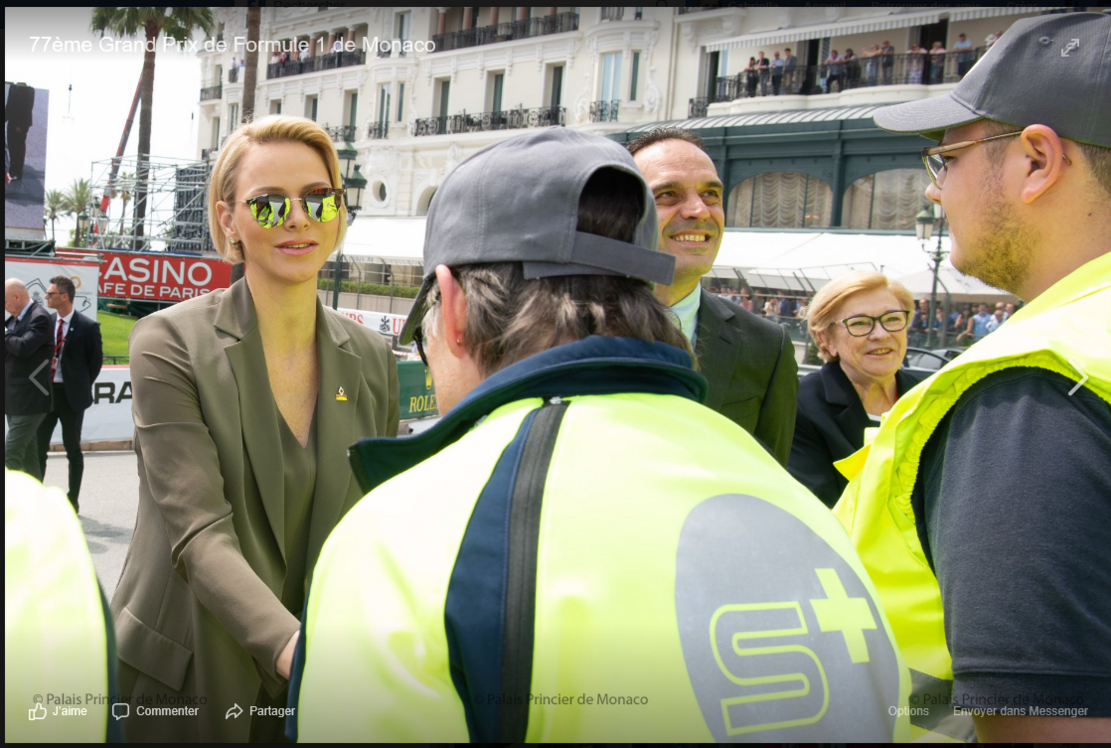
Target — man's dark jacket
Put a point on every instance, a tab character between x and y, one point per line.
19	107
830	427
750	365
82	358
26	349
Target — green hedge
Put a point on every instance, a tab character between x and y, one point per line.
374	289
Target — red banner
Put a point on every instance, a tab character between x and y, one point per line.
152	276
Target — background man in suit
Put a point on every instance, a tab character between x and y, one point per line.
76	365
17	113
27	354
749	361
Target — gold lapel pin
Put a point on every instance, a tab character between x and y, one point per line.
340	396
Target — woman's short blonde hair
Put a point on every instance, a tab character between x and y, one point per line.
273	129
821	313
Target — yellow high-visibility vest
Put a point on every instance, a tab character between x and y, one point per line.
55	636
1065	330
684	589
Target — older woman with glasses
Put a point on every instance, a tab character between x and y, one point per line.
859	324
245	401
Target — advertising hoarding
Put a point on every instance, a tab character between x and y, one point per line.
155	276
36	274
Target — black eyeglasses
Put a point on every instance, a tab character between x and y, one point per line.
861	324
418	338
418	333
321	205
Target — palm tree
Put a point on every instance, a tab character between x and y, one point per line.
55	208
125	183
250	70
76	200
177	24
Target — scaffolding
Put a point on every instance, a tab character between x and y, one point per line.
176	197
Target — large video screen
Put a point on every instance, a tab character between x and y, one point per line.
25	110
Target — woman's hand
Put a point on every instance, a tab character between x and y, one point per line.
285	659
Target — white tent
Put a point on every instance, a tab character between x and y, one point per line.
805	262
801	261
393	241
960	287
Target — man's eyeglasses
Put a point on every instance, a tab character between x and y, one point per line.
321	205
418	338
418	334
861	324
935	159
48	294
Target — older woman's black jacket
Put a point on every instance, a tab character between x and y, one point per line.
829	426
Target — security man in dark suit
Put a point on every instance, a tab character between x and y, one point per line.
76	365
748	361
27	354
18	111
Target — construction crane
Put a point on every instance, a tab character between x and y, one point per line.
106	198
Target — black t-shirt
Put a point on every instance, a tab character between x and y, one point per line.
1013	508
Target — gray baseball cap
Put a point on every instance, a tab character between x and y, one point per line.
1052	70
518	201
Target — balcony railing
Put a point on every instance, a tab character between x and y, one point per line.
431	126
316	64
698	108
604	111
233	75
612	14
211	92
378	130
504	32
861	72
697	9
342	133
507	119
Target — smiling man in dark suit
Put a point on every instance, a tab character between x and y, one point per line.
26	376
748	361
76	365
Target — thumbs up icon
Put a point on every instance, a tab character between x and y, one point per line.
38	712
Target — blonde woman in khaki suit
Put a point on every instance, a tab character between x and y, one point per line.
246	400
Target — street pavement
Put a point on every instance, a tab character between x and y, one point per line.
109	501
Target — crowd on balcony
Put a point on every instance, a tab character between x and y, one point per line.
879	64
284	56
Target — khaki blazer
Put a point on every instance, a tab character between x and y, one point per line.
198	616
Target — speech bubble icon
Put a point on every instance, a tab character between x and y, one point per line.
121	710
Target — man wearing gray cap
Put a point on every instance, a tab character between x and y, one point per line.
983	507
579	550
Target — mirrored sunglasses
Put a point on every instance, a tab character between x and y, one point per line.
321	205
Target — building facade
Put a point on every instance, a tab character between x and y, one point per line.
417	90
